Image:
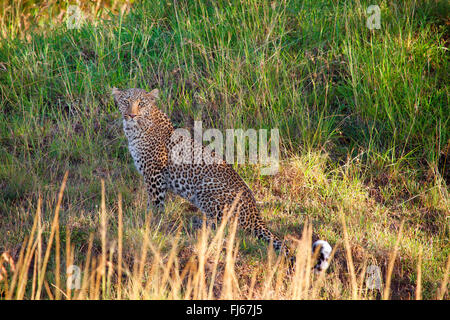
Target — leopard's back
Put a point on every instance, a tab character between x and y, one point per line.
213	186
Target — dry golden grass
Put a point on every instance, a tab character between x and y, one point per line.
210	271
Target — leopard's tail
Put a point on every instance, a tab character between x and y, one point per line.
262	232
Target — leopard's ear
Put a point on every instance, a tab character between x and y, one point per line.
154	94
115	92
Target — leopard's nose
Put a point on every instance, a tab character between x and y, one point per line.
131	115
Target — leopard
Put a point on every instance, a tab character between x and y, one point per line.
171	161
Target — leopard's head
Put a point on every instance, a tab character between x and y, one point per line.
135	105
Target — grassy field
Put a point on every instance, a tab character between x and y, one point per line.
365	140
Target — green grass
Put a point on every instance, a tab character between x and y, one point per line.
363	118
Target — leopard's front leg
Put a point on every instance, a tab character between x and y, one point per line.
156	190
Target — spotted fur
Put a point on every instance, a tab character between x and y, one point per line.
171	161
